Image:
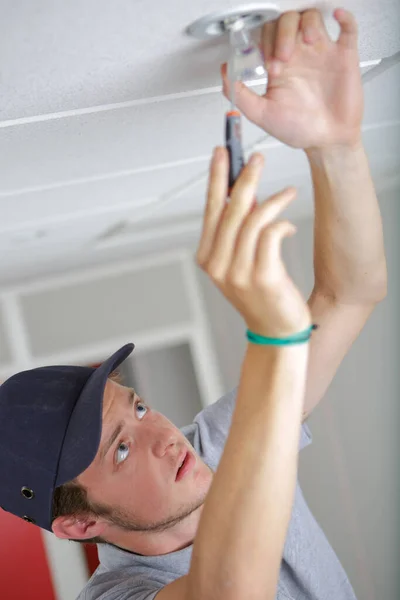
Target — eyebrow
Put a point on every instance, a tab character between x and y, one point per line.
117	430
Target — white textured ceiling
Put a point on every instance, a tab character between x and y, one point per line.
108	107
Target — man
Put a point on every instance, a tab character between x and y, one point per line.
206	512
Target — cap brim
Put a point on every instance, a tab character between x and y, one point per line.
83	434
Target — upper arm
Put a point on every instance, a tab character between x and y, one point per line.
339	326
177	590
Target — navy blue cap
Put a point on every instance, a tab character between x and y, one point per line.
50	430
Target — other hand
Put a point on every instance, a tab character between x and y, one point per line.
314	95
240	250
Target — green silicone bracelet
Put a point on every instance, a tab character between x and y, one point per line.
298	338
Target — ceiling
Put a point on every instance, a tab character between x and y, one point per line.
108	116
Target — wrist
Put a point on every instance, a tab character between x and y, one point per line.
275	354
332	153
268	363
300	337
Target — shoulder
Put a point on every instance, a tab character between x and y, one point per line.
213	425
210	428
119	585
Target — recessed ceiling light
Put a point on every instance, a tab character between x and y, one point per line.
217	24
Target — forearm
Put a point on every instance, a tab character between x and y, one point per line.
239	543
349	256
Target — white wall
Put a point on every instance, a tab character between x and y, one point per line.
350	475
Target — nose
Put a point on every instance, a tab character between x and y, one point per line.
165	443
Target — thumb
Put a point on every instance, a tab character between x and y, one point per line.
270	245
254	107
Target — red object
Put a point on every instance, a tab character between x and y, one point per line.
91	549
24	571
233	113
91	557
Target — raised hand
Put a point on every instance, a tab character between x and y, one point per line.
314	97
240	250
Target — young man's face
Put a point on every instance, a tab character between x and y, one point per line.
134	471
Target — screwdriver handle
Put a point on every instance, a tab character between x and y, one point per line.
233	142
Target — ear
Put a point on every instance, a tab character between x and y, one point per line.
82	527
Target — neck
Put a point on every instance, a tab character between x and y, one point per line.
149	543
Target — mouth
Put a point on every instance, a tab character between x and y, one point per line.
186	463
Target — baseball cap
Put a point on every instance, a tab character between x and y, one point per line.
50	431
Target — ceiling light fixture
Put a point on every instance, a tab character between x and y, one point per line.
217	24
246	62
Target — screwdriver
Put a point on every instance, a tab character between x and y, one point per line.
233	143
233	140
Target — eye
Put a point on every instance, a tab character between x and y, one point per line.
140	408
122	452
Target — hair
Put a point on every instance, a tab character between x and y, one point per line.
71	498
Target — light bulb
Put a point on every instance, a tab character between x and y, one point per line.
246	63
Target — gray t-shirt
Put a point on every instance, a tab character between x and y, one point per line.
310	569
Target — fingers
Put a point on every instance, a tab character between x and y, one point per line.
279	37
268	34
226	82
286	35
246	250
216	199
269	258
348	28
242	199
313	27
234	238
253	106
